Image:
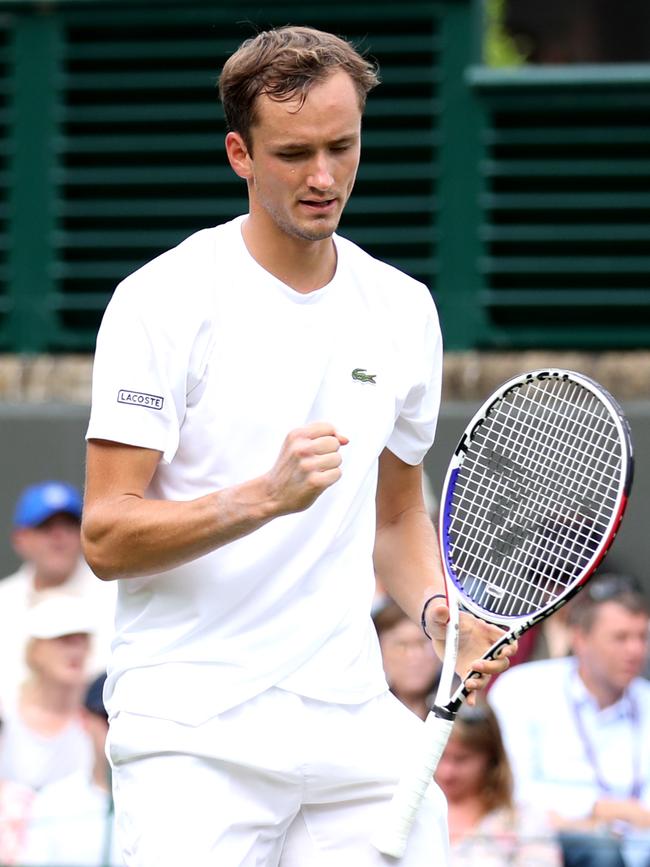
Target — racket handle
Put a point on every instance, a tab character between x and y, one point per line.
392	837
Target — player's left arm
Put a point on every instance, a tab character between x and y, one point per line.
407	563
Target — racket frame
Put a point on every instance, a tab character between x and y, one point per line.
392	837
521	624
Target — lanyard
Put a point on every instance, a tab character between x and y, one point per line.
633	716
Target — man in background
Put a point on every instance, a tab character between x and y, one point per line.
577	729
46	538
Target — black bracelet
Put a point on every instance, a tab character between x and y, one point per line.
423	621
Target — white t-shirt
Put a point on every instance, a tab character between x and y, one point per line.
208	358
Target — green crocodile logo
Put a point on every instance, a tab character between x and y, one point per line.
360	374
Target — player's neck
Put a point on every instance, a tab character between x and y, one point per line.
301	264
604	693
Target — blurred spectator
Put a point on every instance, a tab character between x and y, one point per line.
72	819
410	663
550	639
46	537
15	809
486	828
577	729
44	738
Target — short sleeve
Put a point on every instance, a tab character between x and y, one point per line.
415	426
139	376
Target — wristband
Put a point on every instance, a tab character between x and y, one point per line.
423	621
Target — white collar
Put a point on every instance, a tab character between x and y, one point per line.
623	708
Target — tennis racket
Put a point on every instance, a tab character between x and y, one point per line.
533	497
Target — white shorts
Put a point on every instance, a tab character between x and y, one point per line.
280	780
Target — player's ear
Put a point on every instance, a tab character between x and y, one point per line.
239	156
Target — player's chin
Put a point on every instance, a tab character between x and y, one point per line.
320	222
319	230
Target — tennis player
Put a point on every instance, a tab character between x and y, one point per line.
263	398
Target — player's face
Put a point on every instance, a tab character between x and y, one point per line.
461	771
409	661
613	652
304	159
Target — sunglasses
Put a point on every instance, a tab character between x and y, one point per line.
604	588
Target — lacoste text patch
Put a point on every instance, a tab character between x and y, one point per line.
140	398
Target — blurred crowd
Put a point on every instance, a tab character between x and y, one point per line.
550	766
56	622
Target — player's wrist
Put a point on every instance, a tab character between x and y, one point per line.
266	504
246	506
425	608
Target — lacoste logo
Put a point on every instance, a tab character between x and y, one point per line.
359	373
139	398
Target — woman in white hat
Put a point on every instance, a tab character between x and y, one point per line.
44	738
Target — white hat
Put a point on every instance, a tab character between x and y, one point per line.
58	614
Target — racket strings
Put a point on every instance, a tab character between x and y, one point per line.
540	454
537	445
511	538
553	478
534	496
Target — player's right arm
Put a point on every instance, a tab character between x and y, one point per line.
126	534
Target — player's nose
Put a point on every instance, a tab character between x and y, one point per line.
321	177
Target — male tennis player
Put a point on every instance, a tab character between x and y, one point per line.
263	397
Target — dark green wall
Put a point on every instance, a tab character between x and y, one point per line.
522	198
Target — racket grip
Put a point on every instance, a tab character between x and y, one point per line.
392	837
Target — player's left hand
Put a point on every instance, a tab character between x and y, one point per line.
475	638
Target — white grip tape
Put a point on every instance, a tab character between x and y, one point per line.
392	837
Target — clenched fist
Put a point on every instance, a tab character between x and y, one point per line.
308	463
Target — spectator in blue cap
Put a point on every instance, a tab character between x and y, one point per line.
46	538
41	503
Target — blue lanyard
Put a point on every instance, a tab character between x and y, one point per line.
633	716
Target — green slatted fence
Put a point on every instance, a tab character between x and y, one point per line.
137	151
522	198
5	185
565	207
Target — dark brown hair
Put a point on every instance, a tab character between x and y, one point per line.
284	63
477	728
